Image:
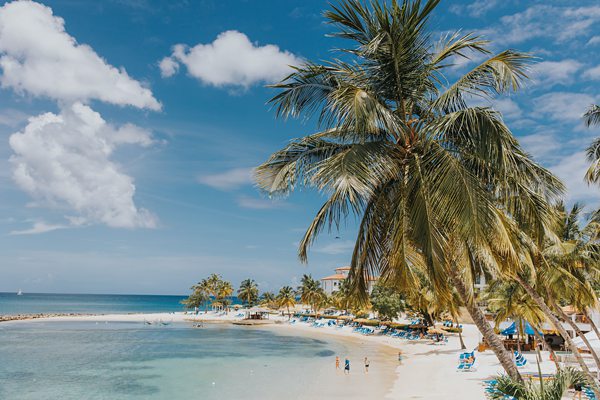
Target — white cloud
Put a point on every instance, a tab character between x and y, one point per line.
231	60
228	180
257	203
595	40
560	24
563	106
37	228
540	145
340	247
507	107
571	169
480	7
550	73
168	67
63	162
38	57
593	73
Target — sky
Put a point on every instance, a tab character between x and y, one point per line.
129	130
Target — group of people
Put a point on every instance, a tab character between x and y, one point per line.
367	363
347	365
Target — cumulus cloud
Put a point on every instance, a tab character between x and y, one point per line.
563	106
63	162
550	73
37	228
593	73
571	169
477	8
38	57
540	145
568	23
231	60
228	180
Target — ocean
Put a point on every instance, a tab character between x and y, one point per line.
127	361
35	303
81	360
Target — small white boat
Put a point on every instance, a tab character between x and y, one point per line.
20	293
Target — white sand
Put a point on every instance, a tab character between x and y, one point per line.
427	371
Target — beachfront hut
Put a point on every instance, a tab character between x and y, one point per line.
257	313
515	344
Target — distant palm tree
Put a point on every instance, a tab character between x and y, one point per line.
433	181
225	289
311	292
286	298
198	297
248	291
551	389
591	118
507	299
267	299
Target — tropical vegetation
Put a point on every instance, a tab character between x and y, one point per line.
441	187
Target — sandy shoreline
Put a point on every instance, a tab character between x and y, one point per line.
427	371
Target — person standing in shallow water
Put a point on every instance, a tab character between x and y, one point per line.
347	366
337	362
366	365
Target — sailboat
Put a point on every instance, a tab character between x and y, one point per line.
20	293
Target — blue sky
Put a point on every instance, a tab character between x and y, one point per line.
128	130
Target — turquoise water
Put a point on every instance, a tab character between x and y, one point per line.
34	303
90	360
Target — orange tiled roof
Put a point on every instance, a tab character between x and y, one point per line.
339	277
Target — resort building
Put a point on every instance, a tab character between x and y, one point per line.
331	283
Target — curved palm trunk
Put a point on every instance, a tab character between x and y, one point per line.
592	323
558	326
460	338
573	325
546	346
485	328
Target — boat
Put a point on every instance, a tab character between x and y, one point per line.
20	293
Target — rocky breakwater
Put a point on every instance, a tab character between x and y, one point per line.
23	317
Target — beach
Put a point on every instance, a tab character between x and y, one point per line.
426	370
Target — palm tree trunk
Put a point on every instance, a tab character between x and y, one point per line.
519	336
545	345
558	326
460	338
592	323
573	325
484	327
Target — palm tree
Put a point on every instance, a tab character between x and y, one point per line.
591	118
507	299
432	180
248	291
553	389
286	298
311	292
224	290
557	279
268	299
198	297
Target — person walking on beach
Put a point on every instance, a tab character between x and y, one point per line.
400	356
337	362
347	367
366	365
